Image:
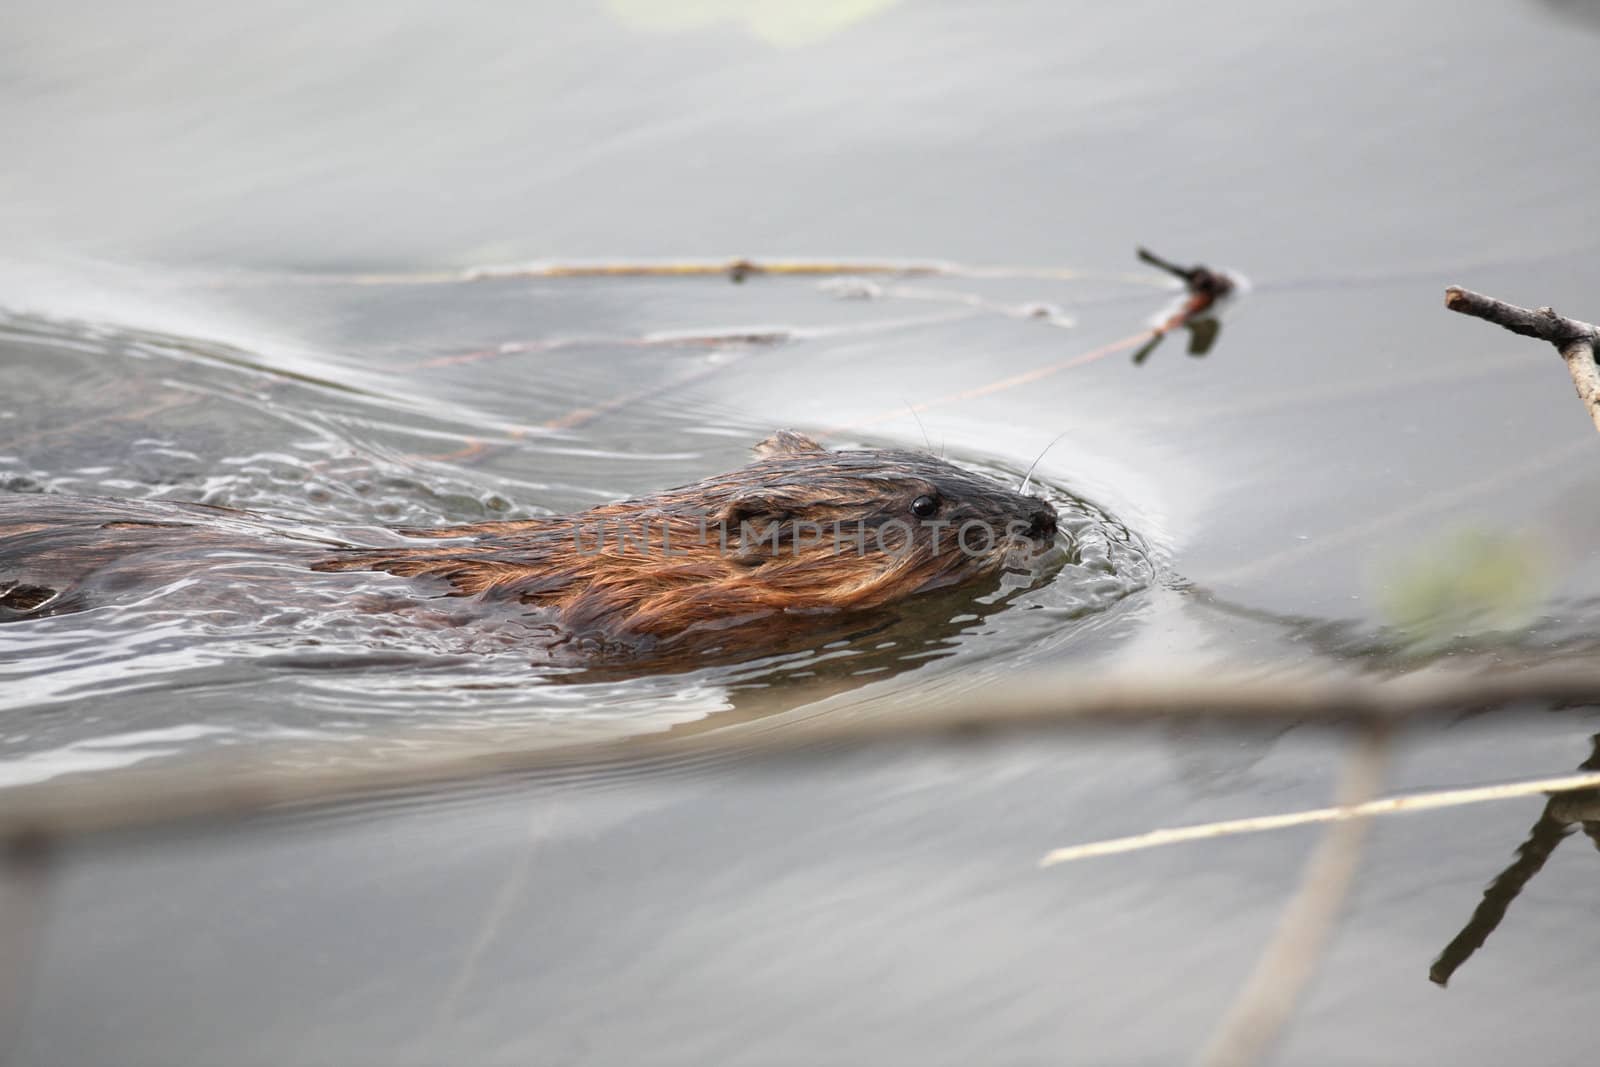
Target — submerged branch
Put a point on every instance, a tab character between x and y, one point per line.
1267	1001
25	867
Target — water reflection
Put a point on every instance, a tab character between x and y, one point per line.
1410	643
1563	814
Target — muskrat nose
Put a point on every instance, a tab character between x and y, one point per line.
1042	522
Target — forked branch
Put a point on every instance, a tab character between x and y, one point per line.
1576	340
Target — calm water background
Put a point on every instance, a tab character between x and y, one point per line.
191	193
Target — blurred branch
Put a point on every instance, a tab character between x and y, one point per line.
235	787
1197	279
736	270
1205	288
24	881
1265	1004
1574	339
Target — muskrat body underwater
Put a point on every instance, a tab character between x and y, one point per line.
799	533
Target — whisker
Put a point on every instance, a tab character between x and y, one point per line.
925	438
1023	488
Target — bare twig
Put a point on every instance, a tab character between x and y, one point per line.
1576	340
224	788
1267	1001
1542	323
1400	805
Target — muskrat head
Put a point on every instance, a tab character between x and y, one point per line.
804	529
856	528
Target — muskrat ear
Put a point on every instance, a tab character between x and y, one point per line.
756	526
787	442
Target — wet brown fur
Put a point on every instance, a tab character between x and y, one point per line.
731	555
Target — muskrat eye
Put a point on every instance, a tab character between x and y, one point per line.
925	507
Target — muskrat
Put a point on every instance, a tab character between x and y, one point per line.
800	532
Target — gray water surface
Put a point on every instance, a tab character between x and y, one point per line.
228	238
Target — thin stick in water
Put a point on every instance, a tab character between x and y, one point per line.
1401	805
